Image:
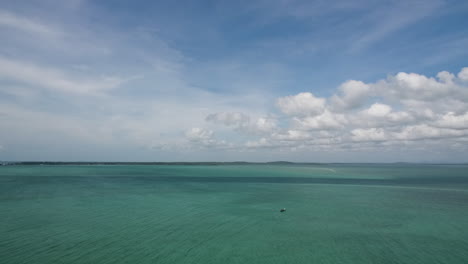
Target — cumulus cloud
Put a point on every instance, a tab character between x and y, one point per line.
325	121
415	90
203	138
403	108
463	74
451	120
264	124
406	110
243	122
303	104
371	134
379	110
352	94
423	131
199	134
293	135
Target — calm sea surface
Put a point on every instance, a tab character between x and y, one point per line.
230	214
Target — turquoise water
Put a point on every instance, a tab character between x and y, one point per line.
230	214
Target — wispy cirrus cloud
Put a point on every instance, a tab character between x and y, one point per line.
17	22
54	79
390	16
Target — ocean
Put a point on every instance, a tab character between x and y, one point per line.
335	213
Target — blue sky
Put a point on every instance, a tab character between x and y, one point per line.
343	81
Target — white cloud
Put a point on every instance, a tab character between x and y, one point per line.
204	138
411	108
243	122
54	79
415	87
451	120
327	120
294	135
393	16
229	119
15	21
400	117
446	77
371	134
423	131
264	124
261	143
353	94
199	134
463	74
379	110
303	104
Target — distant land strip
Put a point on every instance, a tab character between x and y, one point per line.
150	163
208	163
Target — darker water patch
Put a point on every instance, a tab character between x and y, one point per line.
442	180
303	180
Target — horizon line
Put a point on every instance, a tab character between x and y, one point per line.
209	162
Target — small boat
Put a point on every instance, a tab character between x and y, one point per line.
283	210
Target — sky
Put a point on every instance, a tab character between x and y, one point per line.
305	81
